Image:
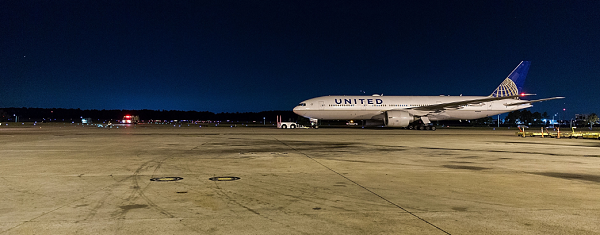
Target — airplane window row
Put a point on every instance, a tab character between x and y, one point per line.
379	105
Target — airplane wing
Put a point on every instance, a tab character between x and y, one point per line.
533	101
458	104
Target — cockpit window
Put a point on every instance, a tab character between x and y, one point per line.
302	104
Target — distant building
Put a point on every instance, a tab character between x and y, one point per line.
86	120
581	117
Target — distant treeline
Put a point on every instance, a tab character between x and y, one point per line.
60	114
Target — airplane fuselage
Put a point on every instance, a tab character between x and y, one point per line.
373	107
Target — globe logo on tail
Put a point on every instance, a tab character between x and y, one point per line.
506	88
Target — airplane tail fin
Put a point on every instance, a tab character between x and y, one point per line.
514	82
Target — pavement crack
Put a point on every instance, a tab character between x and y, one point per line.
363	187
231	199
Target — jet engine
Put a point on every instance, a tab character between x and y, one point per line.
398	118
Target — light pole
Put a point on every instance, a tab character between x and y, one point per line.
571	123
498	120
563	114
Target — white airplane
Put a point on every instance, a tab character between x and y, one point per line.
406	111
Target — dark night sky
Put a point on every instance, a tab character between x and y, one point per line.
239	56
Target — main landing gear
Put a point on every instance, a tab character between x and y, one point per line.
421	127
423	124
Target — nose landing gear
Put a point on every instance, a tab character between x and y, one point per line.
314	123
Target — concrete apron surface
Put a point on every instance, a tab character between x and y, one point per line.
148	179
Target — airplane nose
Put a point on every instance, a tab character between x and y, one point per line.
299	110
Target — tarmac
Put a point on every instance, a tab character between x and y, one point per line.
171	179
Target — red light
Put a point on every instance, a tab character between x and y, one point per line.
564	109
522	94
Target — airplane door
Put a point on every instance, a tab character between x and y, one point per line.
321	105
